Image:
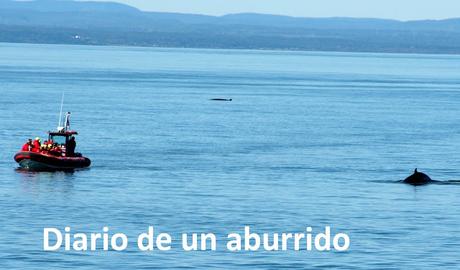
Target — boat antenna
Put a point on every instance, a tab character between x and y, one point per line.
60	127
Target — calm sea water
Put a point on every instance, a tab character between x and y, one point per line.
310	139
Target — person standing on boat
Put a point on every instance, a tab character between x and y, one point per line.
27	146
71	145
37	144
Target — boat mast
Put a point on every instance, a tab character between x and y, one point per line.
60	127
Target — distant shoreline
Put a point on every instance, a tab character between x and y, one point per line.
113	24
237	49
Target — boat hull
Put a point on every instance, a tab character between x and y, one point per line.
44	162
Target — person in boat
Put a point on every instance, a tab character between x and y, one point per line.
27	146
44	147
36	145
48	145
70	147
55	150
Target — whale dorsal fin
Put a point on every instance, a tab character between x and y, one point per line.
415	171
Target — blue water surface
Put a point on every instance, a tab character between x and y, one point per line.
310	139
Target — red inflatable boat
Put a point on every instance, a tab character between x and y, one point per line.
55	154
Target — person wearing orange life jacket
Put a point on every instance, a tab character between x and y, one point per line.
36	145
27	146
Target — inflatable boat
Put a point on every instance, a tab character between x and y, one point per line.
47	162
55	154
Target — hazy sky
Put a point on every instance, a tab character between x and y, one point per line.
395	9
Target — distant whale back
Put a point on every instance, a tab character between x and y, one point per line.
221	99
417	178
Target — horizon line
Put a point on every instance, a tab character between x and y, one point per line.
217	15
296	17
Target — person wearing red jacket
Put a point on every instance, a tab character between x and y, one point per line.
36	145
27	146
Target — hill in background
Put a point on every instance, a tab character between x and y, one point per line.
105	23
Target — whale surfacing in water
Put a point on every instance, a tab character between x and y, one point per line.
417	179
221	99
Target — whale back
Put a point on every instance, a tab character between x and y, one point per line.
417	178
